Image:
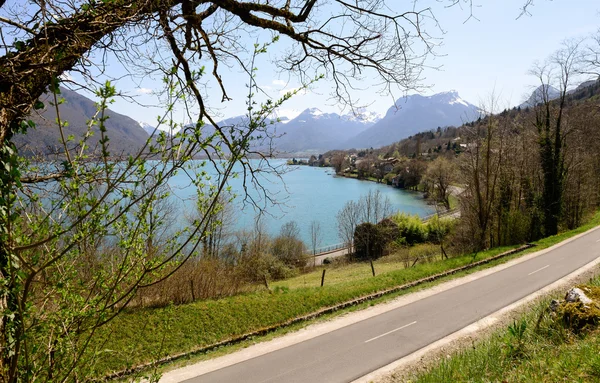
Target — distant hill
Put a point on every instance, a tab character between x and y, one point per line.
540	94
125	134
412	115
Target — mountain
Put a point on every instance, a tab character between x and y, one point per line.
147	127
414	114
311	131
314	130
540	94
585	84
125	134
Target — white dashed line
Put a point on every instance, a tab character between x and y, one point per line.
389	332
533	272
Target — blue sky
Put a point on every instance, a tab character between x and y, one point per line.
490	53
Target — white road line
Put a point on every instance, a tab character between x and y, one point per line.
533	272
389	332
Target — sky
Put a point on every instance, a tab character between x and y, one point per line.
490	52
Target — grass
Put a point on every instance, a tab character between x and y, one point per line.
143	335
525	352
454	202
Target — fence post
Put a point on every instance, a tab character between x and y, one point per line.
415	262
323	277
372	267
266	282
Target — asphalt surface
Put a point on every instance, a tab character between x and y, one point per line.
351	352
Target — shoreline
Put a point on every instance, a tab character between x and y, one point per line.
429	201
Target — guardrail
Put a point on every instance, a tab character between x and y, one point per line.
327	249
443	214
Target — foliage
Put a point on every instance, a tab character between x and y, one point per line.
515	341
88	232
411	229
369	241
288	247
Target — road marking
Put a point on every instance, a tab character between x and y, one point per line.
389	332
533	272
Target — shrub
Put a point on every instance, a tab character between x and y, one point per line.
369	241
411	228
438	228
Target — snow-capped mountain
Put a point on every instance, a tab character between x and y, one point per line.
147	127
316	130
413	114
362	115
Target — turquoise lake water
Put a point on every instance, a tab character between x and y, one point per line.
307	194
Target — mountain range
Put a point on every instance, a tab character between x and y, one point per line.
414	114
311	131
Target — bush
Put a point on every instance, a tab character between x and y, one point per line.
438	228
411	228
369	241
290	251
258	266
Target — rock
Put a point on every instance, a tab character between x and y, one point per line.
577	295
554	305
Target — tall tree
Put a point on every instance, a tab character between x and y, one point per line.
549	121
440	174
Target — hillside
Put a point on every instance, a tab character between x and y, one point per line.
125	134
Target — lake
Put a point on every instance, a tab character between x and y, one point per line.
307	194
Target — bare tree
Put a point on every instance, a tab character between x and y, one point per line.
374	207
315	236
370	208
481	168
348	218
440	174
288	247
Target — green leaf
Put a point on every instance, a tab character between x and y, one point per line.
20	45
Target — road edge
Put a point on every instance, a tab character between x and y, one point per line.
403	363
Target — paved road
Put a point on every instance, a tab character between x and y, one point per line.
356	350
318	259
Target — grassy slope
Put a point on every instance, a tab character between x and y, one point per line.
143	335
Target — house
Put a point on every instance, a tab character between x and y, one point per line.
388	167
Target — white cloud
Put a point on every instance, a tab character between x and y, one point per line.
143	90
279	83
